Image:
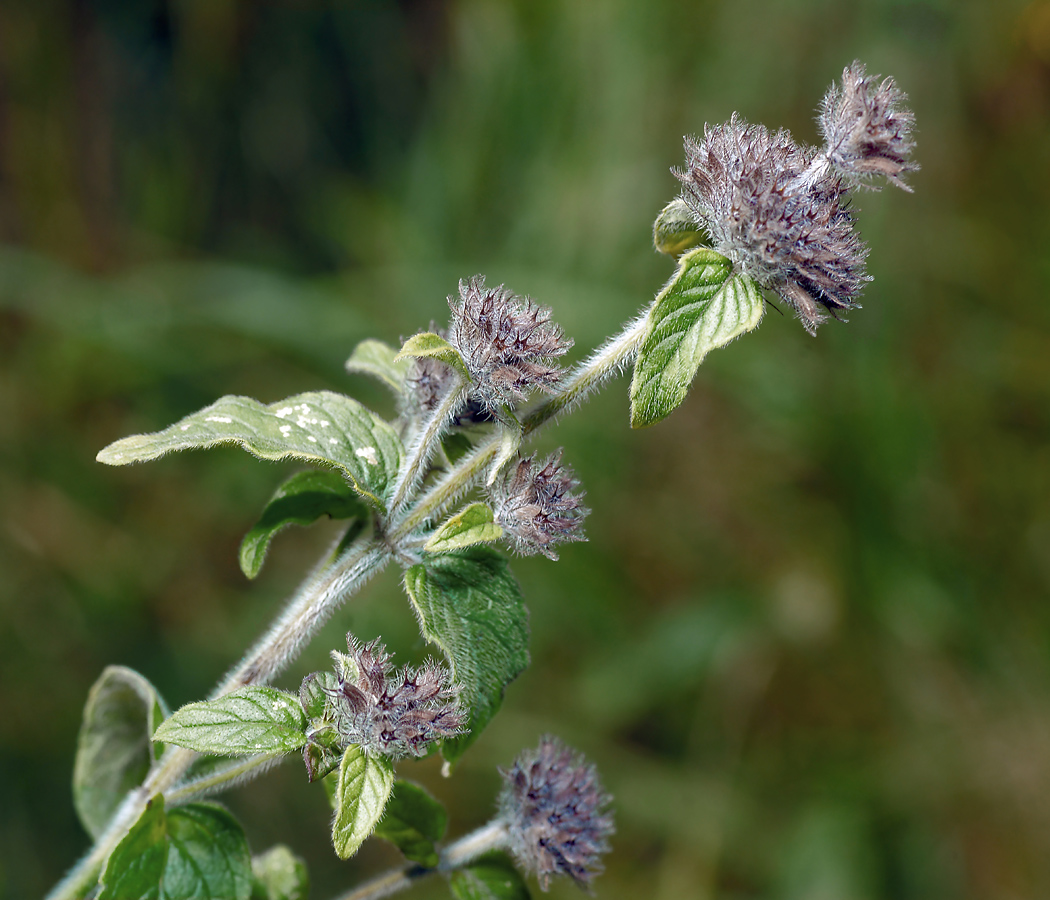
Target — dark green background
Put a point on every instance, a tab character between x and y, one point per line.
808	643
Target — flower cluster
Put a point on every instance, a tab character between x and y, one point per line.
392	712
554	810
780	211
537	508
507	343
867	129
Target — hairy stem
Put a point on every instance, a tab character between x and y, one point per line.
313	604
236	772
423	446
492	836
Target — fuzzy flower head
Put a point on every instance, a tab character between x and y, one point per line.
867	128
555	811
538	505
775	210
392	712
507	342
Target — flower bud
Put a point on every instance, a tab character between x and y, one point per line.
554	809
507	343
392	712
536	506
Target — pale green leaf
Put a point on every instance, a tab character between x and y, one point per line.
473	524
492	877
704	307
114	751
193	852
380	361
470	605
676	229
278	874
414	821
301	500
313	694
248	720
362	791
321	427
428	344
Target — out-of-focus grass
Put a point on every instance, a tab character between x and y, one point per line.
808	643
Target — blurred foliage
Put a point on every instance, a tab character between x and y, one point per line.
808	643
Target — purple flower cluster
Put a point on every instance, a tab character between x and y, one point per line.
779	211
537	507
392	712
507	342
554	809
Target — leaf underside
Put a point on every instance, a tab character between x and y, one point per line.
322	428
114	751
362	791
379	360
428	344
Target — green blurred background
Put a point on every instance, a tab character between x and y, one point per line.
809	641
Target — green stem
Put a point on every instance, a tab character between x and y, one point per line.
237	772
492	836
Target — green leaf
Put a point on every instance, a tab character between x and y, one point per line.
702	308
278	874
676	229
492	877
196	851
320	760
301	500
414	821
248	720
321	427
469	604
379	360
434	345
473	524
114	751
362	791
312	696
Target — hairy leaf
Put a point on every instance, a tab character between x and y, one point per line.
379	360
247	720
676	229
434	345
321	427
278	874
704	307
470	605
195	851
301	500
312	694
114	751
473	524
361	795
492	877
414	821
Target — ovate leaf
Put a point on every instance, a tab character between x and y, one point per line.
469	604
248	720
473	524
313	696
301	500
676	229
492	877
435	346
379	360
321	427
194	852
278	874
704	307
414	821
361	794
114	751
